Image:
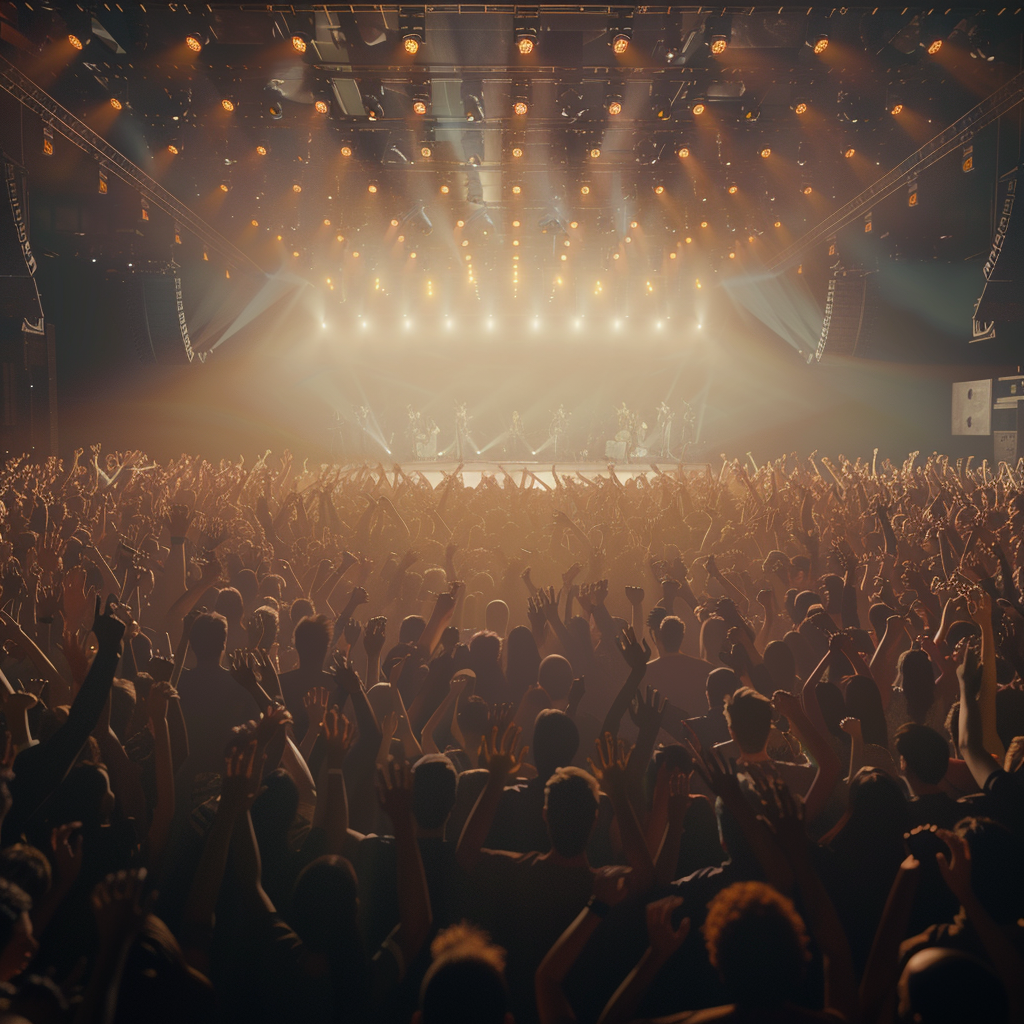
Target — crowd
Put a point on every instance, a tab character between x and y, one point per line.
295	743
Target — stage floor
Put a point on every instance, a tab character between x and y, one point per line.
539	474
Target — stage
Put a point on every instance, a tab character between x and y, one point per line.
539	474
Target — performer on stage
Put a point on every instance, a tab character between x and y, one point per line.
559	425
461	431
665	417
516	445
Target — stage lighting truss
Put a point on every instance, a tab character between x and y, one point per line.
472	100
620	30
526	25
570	104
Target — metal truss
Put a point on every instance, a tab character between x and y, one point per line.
31	96
956	135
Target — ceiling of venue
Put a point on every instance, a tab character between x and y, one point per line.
410	158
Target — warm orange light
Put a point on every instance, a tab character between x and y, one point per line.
419	106
346	151
848	152
115	103
327	222
519	107
372	189
193	43
445	190
684	152
425	152
255	223
778	223
517	152
897	108
671	255
821	45
718	45
296	187
699	108
298	44
75	42
172	149
574	224
411	44
585	190
620	44
320	106
732	255
733	189
517	190
688	239
807	190
261	150
614	108
460	223
525	45
515	223
659	190
703	223
766	152
394	222
935	47
595	153
800	108
227	105
223	187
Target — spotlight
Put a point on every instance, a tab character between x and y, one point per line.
517	190
227	104
614	104
698	107
472	104
425	151
620	43
895	109
411	24
683	152
346	151
849	152
75	41
718	45
373	101
819	44
799	106
299	42
296	188
525	45
806	189
261	150
116	103
411	44
520	107
224	186
517	152
526	28
372	188
275	106
445	190
595	152
321	106
173	148
659	190
584	190
419	106
195	41
733	189
766	151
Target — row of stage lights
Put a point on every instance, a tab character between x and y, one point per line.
536	324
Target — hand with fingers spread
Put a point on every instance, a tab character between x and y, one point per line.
635	595
498	752
636	655
394	791
119	906
243	672
316	700
373	636
241	773
338	737
679	799
107	628
345	675
663	938
351	633
647	711
610	767
852	727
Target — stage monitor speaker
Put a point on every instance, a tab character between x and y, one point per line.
972	407
152	319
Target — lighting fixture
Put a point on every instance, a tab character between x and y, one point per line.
718	45
371	188
526	26
116	103
224	186
800	106
299	42
683	152
659	190
321	106
517	190
228	105
620	44
585	190
193	41
615	106
520	107
595	153
820	44
261	150
517	152
445	190
806	189
296	188
425	152
733	189
346	151
411	43
620	30
895	109
75	41
849	152
698	107
373	102
172	149
571	104
419	106
766	151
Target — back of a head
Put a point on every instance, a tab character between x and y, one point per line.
757	942
712	636
466	982
262	627
474	715
722	683
523	657
209	636
229	604
749	716
313	639
917	680
949	986
803	601
555	741
274	809
996	858
411	629
781	664
299	610
655	617
485	650
496	617
325	902
672	632
878	808
863	701
27	867
925	752
570	807
434	781
555	676
878	615
247	585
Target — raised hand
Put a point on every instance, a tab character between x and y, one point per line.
345	674
956	868
647	711
118	905
852	728
373	636
243	672
610	768
611	883
338	736
635	595
679	799
160	695
352	632
316	701
108	630
498	752
665	939
394	791
178	519
571	573
636	655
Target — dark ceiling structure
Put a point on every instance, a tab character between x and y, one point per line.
452	157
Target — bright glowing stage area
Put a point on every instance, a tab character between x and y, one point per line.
538	474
